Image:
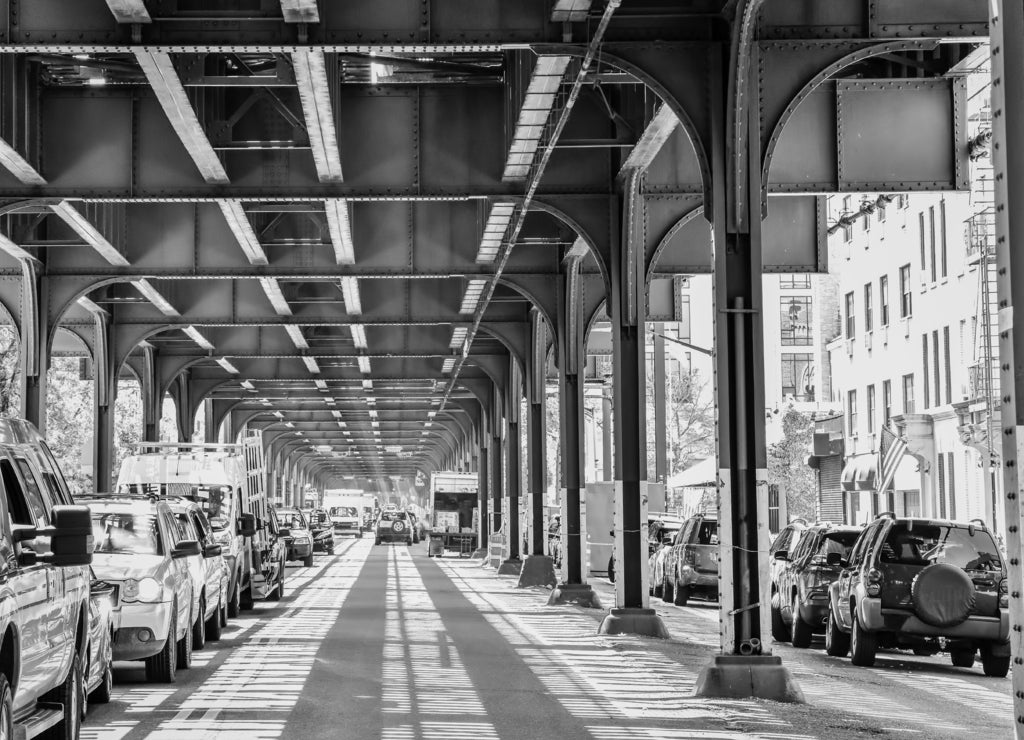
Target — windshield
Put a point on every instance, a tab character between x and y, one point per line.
830	542
318	517
344	511
215	501
969	548
121	532
292	520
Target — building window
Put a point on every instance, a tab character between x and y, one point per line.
851	413
927	375
883	299
795	282
871	409
683	327
942	238
945	352
908	394
951	477
880	210
851	322
886	402
902	200
937	369
941	460
906	301
795	315
931	240
920	226
868	308
798	376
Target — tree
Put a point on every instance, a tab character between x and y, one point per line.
69	420
10	369
787	464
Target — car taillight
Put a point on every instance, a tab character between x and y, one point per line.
873	582
1004	598
689	556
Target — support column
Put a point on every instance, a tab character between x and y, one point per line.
746	666
1007	38
497	482
607	432
572	586
632	613
149	393
512	565
660	436
35	355
484	472
538	568
209	422
105	393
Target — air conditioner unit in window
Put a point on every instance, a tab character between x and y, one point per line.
906	327
849	347
884	331
867	339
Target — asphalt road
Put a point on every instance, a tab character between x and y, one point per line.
383	642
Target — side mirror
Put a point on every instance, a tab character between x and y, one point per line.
70	536
185	549
781	555
247	525
211	551
284	532
834	558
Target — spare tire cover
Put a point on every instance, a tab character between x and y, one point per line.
398	525
943	595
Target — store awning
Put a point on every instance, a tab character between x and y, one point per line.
860	473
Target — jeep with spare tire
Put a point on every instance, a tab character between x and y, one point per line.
393	526
916	583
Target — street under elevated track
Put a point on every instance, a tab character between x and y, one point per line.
384	642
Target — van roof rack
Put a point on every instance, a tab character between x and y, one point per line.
186	446
886	514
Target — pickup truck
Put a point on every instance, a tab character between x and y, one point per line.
45	551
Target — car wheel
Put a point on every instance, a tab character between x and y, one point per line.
611	569
657	589
162	667
213	624
376	541
666	591
863	645
837	642
6	707
963	658
994	665
779	631
330	550
102	693
185	648
278	593
245	600
199	627
800	632
308	560
682	595
234	602
69	694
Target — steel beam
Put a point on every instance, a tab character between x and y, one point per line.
300	11
129	11
316	94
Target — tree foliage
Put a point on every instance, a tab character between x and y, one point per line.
10	371
787	464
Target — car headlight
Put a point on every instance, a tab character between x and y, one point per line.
150	589
222	537
302	540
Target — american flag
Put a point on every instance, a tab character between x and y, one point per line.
890	452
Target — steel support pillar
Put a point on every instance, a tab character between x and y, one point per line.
35	352
512	564
104	397
149	394
745	666
572	586
606	433
660	436
209	422
1007	38
632	613
484	472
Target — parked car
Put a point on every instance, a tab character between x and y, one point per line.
800	591
298	539
98	673
322	530
393	526
786	540
45	551
661	530
912	580
269	582
209	573
139	549
691	564
414	524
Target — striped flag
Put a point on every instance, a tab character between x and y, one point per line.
890	453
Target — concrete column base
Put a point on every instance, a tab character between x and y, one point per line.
748	677
479	554
580	594
538	570
510	567
643	622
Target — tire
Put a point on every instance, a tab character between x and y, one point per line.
360	535
162	667
199	626
837	642
308	561
666	591
611	569
103	693
800	632
278	593
376	541
69	693
184	649
963	658
682	595
6	707
779	631
214	628
996	666
408	542
245	600
863	645
234	603
330	550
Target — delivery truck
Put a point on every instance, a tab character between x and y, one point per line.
454	519
351	510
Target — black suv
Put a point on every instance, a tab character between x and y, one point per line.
322	529
910	581
800	586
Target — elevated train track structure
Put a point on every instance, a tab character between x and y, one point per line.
371	229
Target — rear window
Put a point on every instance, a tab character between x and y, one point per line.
122	532
830	542
344	511
215	501
292	519
390	516
708	533
911	543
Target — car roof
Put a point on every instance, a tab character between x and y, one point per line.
125	504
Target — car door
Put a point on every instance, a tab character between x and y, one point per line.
674	554
213	568
848	576
31	585
179	568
